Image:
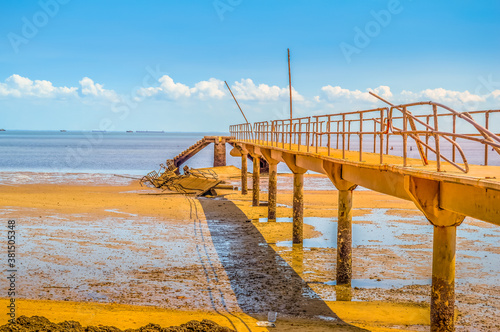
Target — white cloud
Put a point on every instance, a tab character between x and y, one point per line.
495	94
96	90
213	88
247	90
338	94
336	97
244	90
18	87
331	99
443	96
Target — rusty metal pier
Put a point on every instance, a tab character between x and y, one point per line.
352	149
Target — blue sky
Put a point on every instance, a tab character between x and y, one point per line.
139	65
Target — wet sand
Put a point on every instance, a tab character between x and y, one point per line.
104	242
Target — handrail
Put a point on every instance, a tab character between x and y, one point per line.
336	131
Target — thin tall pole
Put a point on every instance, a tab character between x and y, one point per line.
237	102
290	87
290	83
239	107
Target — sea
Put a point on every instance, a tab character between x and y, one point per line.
133	153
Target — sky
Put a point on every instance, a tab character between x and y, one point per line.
161	65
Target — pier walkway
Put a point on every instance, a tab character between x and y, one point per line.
418	152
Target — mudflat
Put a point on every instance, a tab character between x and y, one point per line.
102	250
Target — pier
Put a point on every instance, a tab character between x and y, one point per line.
352	149
219	143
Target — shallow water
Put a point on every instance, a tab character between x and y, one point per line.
408	237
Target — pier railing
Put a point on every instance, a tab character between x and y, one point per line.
437	132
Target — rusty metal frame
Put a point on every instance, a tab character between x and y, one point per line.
325	133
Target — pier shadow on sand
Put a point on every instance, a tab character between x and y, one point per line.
261	280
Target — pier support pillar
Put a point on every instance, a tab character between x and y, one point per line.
272	158
298	196
256	181
344	238
298	207
426	194
219	152
344	224
443	279
244	174
273	190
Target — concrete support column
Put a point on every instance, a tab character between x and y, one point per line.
443	279
244	174
256	181
298	207
219	152
426	194
273	190
344	238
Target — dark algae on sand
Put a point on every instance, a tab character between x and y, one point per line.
42	324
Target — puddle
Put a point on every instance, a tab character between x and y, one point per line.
327	318
407	243
374	283
15	178
116	211
363	234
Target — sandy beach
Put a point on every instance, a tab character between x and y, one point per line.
101	249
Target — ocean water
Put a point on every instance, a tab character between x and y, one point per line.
98	152
139	153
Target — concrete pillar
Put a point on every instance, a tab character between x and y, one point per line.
244	174
443	279
273	189
426	194
298	207
256	181
219	152
344	238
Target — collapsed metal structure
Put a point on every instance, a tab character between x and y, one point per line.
193	182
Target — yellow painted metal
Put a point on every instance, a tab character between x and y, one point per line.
482	182
426	195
